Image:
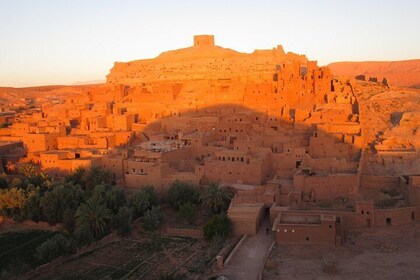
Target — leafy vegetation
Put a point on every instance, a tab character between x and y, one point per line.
188	212
122	221
93	217
180	193
216	198
219	225
152	218
142	200
58	245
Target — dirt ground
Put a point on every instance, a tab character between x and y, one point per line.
385	253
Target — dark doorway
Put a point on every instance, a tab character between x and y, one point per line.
388	221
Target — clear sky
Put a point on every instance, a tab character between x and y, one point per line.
65	41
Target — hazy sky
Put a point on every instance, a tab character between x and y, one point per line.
65	41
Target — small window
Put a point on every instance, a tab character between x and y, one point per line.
307	238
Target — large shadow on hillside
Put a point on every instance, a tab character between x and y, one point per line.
224	138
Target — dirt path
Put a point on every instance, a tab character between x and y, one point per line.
250	258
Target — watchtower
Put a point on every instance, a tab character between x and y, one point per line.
203	40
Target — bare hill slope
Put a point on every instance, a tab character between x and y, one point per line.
398	73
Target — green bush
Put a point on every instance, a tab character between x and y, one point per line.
219	225
188	212
4	184
69	220
142	200
122	221
152	218
93	216
216	198
180	193
112	196
56	201
57	246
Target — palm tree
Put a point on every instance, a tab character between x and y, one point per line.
94	217
216	198
97	176
27	169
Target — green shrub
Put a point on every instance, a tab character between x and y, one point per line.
57	246
180	193
4	184
142	200
188	212
219	225
216	198
152	218
122	221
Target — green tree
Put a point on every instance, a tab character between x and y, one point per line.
96	176
122	221
27	169
216	198
69	220
219	225
112	196
12	199
142	200
188	212
31	209
180	193
93	216
76	177
54	247
4	184
152	218
60	198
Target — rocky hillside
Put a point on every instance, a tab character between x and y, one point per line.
398	73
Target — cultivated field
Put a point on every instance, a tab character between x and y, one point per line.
133	258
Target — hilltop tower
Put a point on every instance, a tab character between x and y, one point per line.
203	40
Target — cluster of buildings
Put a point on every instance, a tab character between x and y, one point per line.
273	125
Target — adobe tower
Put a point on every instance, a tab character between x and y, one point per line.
203	40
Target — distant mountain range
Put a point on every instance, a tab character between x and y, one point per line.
91	82
404	73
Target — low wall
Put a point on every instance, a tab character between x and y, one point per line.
397	216
185	232
379	182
